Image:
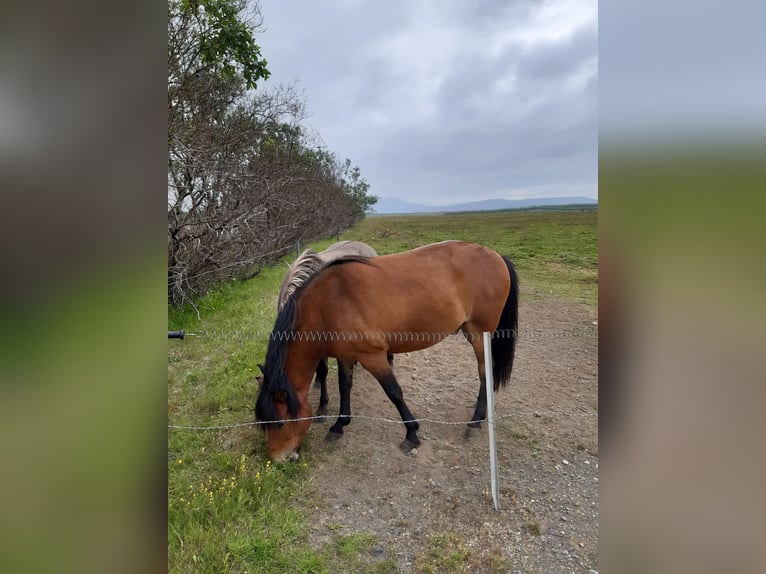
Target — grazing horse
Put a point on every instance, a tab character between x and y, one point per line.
361	309
299	273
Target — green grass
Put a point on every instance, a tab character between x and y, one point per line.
446	552
228	509
555	252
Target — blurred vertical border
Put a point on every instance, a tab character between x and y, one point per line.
682	175
83	289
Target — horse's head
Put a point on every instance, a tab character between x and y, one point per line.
285	438
291	415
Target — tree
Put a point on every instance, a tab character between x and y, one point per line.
246	181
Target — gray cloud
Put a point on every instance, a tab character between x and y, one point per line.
442	102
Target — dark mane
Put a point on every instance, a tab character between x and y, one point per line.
275	379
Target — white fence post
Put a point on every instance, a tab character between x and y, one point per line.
491	418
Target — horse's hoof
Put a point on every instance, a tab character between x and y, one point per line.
472	432
332	436
407	445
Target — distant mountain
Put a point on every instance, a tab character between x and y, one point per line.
386	205
396	205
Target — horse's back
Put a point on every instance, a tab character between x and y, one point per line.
432	289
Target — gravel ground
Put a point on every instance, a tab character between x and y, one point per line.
435	503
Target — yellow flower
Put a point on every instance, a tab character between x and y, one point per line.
180	461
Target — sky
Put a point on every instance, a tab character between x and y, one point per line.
447	102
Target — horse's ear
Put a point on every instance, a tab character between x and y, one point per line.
259	380
262	368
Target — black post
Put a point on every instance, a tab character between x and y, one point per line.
176	334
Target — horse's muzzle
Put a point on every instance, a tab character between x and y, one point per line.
285	457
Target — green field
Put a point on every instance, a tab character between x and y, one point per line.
228	509
555	252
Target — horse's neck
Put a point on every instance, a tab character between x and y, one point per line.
302	359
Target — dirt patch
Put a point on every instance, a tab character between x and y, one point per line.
436	505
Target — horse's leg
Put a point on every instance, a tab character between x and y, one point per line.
321	373
381	370
480	412
345	382
321	382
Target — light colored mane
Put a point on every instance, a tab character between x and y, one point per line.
309	263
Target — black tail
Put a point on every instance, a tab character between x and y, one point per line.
504	339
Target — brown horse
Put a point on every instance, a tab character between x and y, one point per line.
308	264
361	309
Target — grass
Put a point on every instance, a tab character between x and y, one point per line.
228	509
446	552
555	252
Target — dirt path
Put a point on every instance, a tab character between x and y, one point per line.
437	502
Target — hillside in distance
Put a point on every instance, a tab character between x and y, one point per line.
390	205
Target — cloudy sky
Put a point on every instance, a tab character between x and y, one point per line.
444	102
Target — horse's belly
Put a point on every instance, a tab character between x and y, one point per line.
415	342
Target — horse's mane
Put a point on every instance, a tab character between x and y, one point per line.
275	379
307	278
308	264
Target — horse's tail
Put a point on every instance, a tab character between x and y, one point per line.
504	340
